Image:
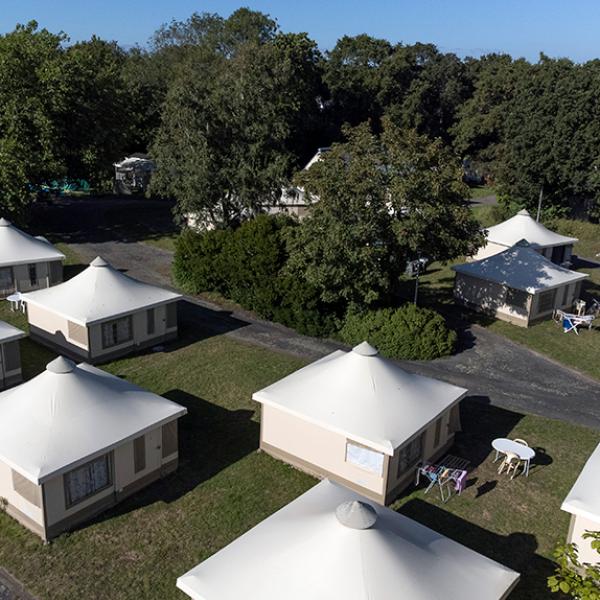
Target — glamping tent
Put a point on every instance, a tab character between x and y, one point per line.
331	544
557	248
359	419
583	503
26	262
101	313
75	440
10	356
517	285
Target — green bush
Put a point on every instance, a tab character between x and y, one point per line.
409	332
197	263
247	265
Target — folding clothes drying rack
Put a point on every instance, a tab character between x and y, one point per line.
450	470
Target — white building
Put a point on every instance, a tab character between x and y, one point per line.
102	313
332	544
557	248
76	440
359	419
583	503
518	285
10	355
27	262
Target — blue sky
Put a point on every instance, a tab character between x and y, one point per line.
467	27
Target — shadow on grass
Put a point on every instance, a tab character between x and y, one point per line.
211	438
105	218
516	550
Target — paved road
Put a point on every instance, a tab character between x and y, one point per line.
490	366
11	589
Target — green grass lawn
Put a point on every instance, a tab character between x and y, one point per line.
480	191
224	487
166	242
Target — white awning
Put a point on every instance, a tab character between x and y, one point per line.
332	544
8	333
523	227
71	413
99	292
521	268
584	497
363	396
18	247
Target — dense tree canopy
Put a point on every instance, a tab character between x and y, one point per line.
232	107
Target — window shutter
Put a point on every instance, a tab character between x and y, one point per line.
169	438
139	454
454	424
12	356
171	315
438	433
27	489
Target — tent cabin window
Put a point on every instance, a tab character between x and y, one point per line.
27	489
169	438
89	479
117	332
565	299
7	283
546	301
150	321
517	298
139	454
409	455
364	457
33	277
171	309
558	255
438	433
55	272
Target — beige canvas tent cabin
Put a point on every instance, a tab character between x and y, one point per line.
101	313
555	247
76	440
359	419
583	504
333	544
10	355
517	285
27	262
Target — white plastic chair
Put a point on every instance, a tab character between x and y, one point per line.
511	462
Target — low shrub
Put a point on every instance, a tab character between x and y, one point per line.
409	332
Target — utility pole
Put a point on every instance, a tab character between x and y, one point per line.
539	211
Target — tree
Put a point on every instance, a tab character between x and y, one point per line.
428	196
578	580
32	97
346	247
229	125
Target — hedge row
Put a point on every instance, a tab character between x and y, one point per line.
247	265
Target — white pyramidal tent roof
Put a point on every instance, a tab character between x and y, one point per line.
69	413
18	247
8	333
363	396
331	544
97	293
584	497
523	227
521	268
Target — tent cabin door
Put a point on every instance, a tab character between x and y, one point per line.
7	281
154	451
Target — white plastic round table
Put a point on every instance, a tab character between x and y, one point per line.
504	445
15	300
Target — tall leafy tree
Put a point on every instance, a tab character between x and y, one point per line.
346	248
32	98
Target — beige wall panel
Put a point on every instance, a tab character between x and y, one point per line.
6	491
579	525
321	447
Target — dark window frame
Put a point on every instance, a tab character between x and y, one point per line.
69	502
